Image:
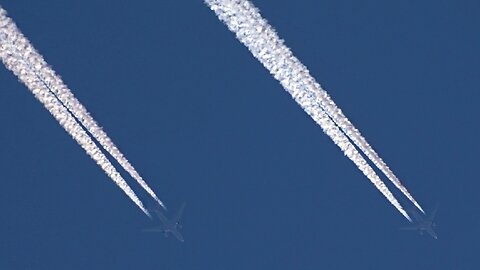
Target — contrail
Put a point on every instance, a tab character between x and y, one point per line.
242	18
354	134
47	75
13	52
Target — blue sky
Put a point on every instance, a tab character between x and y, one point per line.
204	122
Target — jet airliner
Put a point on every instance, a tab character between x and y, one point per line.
168	225
424	224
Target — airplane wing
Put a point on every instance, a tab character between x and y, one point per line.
179	213
178	235
432	233
409	228
154	229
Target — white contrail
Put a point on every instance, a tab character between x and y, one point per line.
46	74
339	138
258	36
13	53
354	134
264	48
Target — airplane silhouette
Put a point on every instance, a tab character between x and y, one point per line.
168	225
424	224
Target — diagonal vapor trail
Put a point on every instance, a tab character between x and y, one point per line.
14	52
242	18
353	133
47	75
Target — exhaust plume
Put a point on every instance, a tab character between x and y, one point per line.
14	52
48	76
242	18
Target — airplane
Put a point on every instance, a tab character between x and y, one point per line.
424	224
168	225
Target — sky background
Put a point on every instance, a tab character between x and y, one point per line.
204	123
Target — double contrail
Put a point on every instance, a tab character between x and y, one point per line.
242	18
257	35
23	60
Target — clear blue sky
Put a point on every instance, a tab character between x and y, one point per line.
205	123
